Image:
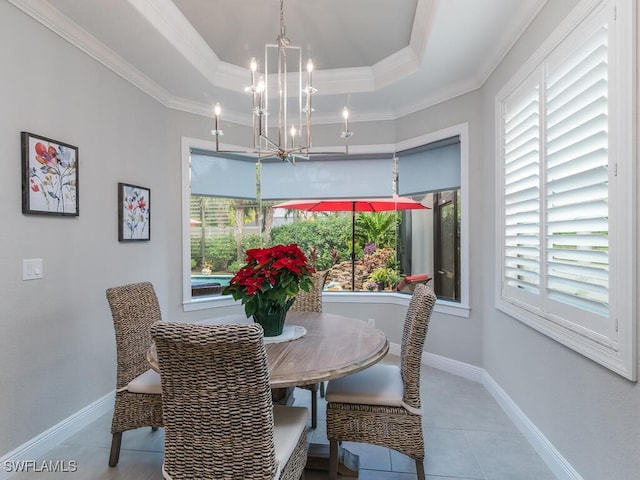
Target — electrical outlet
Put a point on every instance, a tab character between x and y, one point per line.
372	322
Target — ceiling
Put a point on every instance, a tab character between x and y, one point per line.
382	58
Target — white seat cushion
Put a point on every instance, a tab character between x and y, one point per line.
289	424
379	384
147	382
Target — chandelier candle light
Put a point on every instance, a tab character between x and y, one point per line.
275	87
346	133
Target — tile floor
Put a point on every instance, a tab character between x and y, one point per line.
467	436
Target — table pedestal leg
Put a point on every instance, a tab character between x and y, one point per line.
318	459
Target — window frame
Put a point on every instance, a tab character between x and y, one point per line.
460	308
617	349
438	243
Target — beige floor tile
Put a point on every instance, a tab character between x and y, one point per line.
467	436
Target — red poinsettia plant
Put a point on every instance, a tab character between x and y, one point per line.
271	277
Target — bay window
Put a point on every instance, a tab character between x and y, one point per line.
228	200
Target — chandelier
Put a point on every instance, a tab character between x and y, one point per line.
286	91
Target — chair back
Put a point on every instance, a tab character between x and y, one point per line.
413	336
218	413
311	301
134	309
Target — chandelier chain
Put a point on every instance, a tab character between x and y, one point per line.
282	40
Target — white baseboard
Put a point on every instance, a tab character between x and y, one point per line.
54	436
470	372
560	467
455	367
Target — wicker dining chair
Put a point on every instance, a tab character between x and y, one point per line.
220	422
311	301
138	399
381	404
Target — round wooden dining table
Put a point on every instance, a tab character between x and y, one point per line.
333	346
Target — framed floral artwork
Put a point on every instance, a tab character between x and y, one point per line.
49	176
134	213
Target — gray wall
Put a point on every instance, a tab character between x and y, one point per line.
57	347
450	336
57	350
587	412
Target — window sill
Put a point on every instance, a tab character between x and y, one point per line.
442	306
207	302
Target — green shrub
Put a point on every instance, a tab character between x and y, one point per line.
324	233
220	251
387	277
196	253
252	241
235	266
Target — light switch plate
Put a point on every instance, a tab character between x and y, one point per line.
32	268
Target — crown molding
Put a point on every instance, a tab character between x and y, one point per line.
442	95
172	25
485	70
395	67
51	18
422	22
344	80
169	21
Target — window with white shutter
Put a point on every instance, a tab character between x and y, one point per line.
522	191
576	182
566	137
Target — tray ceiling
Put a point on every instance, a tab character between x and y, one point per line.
382	58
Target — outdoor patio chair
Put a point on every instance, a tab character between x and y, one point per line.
219	419
408	283
138	400
381	404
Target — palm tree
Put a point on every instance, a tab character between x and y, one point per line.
378	228
241	209
267	221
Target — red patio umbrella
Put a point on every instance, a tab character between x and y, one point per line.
353	205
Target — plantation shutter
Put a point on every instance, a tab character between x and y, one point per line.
573	278
522	191
576	183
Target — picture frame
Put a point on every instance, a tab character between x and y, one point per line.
134	213
49	176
